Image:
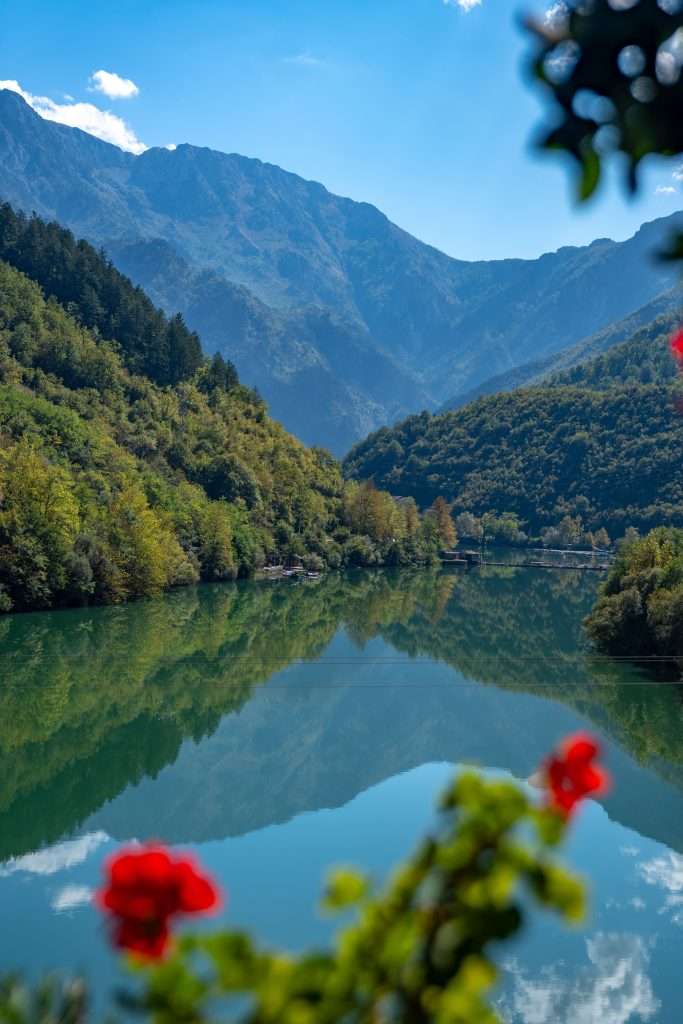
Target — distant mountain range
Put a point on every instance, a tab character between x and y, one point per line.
341	319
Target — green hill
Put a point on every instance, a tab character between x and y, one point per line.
113	486
645	358
612	457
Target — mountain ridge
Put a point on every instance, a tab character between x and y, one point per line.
435	326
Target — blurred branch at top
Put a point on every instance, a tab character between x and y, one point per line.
614	71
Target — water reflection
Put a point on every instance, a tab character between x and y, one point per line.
285	727
94	703
613	985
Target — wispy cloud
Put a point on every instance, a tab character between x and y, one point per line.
464	5
55	858
665	190
304	60
113	86
86	116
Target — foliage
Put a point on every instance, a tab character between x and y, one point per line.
540	454
419	950
107	303
643	358
614	71
112	487
640	609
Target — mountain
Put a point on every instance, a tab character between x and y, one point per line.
649	323
341	319
312	363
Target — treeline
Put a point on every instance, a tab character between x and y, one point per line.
645	358
112	487
640	610
611	458
87	284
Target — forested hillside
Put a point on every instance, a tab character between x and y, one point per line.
644	359
112	486
611	457
341	319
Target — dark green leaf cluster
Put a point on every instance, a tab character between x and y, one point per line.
640	609
614	72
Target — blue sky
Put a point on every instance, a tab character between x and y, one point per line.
417	106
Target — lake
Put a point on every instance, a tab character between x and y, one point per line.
277	728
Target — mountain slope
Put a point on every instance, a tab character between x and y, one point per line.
115	487
652	321
310	363
612	457
436	325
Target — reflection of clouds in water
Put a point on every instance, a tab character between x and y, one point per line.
614	988
55	858
667	873
629	851
70	897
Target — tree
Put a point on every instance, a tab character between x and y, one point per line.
444	523
601	539
467	525
411	516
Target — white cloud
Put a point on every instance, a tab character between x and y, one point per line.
464	5
667	873
113	86
614	987
89	118
55	858
304	60
171	146
70	897
665	190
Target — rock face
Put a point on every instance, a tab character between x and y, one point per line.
342	320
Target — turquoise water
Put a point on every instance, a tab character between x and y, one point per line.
279	728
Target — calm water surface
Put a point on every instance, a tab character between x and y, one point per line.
278	728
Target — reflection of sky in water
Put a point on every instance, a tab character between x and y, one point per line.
623	967
335	758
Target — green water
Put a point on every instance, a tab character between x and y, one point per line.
280	727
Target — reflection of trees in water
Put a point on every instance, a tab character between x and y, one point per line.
520	629
94	700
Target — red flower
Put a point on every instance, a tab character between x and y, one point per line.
676	344
146	887
572	773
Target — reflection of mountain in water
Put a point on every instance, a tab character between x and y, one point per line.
103	699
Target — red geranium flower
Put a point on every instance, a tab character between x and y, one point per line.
571	774
676	343
146	887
